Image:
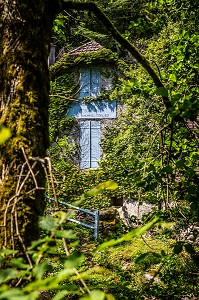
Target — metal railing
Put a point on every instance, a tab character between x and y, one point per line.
94	213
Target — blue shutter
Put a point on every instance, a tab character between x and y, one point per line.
95	143
95	82
90	85
85	86
84	144
89	144
90	82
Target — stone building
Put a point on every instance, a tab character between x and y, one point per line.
93	70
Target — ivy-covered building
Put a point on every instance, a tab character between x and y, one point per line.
92	71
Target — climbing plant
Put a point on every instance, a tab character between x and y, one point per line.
151	150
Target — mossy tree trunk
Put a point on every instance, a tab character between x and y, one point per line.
25	30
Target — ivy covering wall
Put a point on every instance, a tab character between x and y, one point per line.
64	131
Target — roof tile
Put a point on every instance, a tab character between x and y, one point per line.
86	48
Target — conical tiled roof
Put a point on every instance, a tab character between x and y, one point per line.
86	48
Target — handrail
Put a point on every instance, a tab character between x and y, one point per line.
94	213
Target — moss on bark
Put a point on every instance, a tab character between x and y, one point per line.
24	85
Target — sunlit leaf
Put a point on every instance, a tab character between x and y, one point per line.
16	294
172	77
51	282
40	269
94	295
61	295
109	185
67	234
5	134
166	224
5	252
91	271
48	223
61	215
74	260
19	263
7	274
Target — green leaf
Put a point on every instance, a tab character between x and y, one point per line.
1	260
19	263
189	248
13	294
67	234
7	274
110	297
94	295
177	248
109	185
167	169
5	134
33	296
60	295
49	283
74	260
142	257
16	294
162	91
61	216
163	253
180	164
166	224
172	77
40	269
151	168
5	252
48	223
34	244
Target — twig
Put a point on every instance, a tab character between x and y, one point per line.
31	171
147	243
21	241
76	272
52	181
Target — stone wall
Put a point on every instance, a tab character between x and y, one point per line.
132	211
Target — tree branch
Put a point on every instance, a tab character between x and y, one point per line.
91	6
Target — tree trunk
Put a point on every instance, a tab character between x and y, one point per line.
25	29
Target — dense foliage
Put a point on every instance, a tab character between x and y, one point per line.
150	151
131	267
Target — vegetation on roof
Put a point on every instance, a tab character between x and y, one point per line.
67	62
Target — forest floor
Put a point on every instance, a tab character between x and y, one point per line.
145	268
